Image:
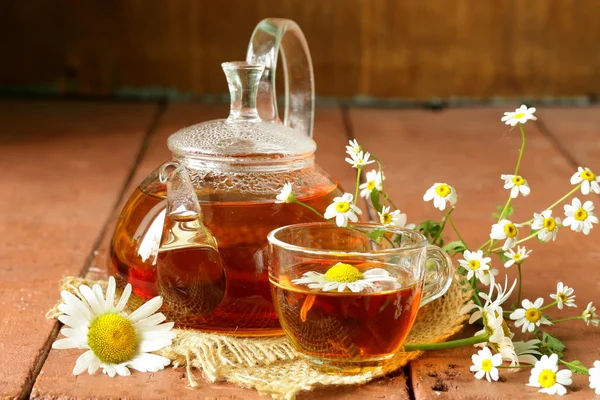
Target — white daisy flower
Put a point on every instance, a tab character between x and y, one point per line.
115	341
359	160
484	364
564	296
530	315
545	375
394	218
354	148
547	225
524	352
595	377
589	315
505	229
343	210
517	184
475	263
345	276
374	181
286	195
488	276
580	217
441	193
589	180
516	257
521	115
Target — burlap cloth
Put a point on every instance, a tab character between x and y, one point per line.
271	365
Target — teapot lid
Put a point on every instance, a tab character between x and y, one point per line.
243	136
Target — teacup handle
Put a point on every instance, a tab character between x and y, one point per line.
440	264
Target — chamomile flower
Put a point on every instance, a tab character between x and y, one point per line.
374	181
353	148
595	377
115	341
343	210
505	229
475	263
530	315
521	115
588	179
589	315
516	257
526	352
441	193
517	184
545	375
393	218
547	225
286	195
359	160
345	276
580	217
484	364
564	296
488	276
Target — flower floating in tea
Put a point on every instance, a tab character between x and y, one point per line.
345	276
115	340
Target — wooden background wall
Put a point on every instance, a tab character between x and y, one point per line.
408	49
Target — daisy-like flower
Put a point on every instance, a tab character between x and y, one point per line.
353	148
115	341
589	315
545	375
521	115
374	181
488	276
547	225
475	263
394	218
580	217
343	210
530	315
517	184
588	179
595	377
484	364
441	193
516	257
564	296
286	195
525	352
345	276
359	160
505	229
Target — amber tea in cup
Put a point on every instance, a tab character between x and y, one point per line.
347	298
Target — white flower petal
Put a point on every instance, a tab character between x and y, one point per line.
147	309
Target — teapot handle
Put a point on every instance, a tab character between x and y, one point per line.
271	37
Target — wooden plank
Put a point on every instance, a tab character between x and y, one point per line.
56	381
381	49
64	166
470	149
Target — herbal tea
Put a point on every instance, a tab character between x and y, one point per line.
368	320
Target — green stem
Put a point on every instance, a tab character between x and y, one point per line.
443	225
557	202
358	171
309	207
548	306
448	345
576	366
520	284
519	241
483	245
455	230
522	149
567	319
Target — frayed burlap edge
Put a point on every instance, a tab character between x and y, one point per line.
271	365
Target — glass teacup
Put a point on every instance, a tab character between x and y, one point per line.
348	297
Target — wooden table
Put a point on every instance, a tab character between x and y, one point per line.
68	166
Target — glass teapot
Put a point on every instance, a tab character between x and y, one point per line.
195	230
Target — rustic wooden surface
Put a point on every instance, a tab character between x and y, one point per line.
383	49
66	164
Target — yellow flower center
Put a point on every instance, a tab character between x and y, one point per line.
486	365
371	185
549	224
517	180
343	273
474	264
587	175
510	230
533	315
547	378
442	190
112	338
342	206
386	218
581	215
519	115
563	297
517	257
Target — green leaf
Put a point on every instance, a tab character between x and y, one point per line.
429	229
576	367
502	257
376	234
508	213
454	247
375	200
552	344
